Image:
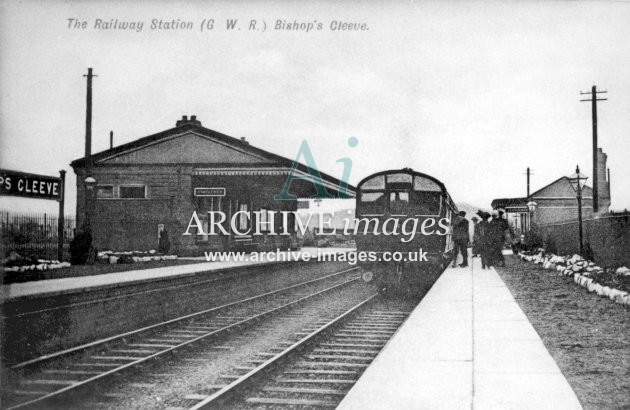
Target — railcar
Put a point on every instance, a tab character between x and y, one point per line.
412	258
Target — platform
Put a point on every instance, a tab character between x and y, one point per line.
467	345
74	284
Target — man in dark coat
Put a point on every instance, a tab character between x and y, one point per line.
164	245
499	230
484	239
461	237
476	247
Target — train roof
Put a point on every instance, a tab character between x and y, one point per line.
405	171
410	172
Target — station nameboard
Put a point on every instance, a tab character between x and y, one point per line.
15	183
209	191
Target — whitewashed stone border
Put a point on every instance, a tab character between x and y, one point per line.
42	265
136	256
580	269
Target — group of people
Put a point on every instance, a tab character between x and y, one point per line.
491	232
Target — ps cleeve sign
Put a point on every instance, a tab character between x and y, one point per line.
14	183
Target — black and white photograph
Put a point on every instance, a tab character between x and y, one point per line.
274	204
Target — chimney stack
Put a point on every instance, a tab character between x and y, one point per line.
185	121
111	139
603	187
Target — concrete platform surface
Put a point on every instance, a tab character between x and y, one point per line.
58	286
467	345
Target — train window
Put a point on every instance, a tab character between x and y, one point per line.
399	203
425	184
372	203
374	183
427	203
399	178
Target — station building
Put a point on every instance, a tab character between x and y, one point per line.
556	202
155	183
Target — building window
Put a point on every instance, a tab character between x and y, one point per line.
105	191
264	219
133	191
243	220
290	226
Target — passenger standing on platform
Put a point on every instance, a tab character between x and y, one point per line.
484	239
164	245
476	248
498	232
507	229
461	237
508	233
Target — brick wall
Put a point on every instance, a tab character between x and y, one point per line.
131	224
549	212
558	202
608	237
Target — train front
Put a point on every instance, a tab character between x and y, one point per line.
402	229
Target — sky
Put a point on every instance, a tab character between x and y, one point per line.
471	92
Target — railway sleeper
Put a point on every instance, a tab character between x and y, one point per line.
371	352
303	390
316	381
325	357
291	402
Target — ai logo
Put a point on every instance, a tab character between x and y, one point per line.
315	177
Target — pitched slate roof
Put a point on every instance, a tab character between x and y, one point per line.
193	125
505	202
522	201
585	189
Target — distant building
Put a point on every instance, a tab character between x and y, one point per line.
155	183
556	202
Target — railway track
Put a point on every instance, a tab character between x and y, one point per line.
52	377
315	370
36	325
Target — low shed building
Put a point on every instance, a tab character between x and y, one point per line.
158	182
557	202
553	203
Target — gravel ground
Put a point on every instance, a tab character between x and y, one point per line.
299	361
587	335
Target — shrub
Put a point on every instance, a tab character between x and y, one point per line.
533	239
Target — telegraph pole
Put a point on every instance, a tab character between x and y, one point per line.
60	217
593	101
88	123
529	173
88	182
88	151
